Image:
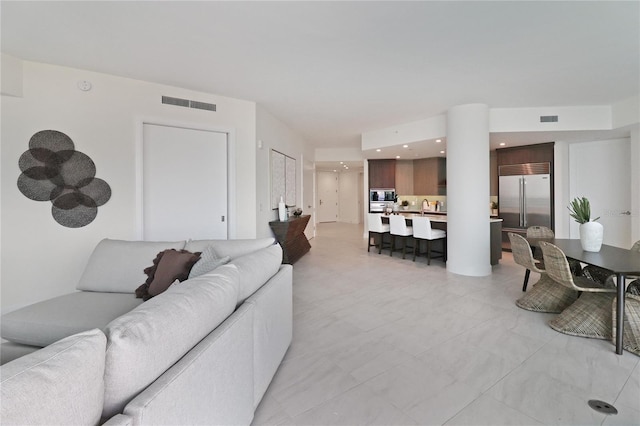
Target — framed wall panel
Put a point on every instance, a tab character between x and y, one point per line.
283	179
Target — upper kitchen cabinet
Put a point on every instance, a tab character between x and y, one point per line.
404	177
382	173
539	153
430	176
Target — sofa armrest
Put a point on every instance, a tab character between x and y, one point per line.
119	420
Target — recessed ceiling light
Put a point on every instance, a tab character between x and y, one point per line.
438	140
346	167
397	156
441	152
502	144
405	146
334	171
378	150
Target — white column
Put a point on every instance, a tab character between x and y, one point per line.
635	184
468	226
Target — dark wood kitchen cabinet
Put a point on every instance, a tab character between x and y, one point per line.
430	176
382	173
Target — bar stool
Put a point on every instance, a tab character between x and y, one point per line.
377	228
422	231
399	228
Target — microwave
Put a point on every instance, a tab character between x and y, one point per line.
382	194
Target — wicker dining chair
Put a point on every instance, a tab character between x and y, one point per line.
379	229
545	295
631	334
590	314
608	278
545	232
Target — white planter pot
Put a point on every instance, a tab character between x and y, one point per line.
591	234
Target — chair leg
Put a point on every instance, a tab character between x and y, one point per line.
393	241
381	242
526	280
416	244
404	246
369	242
444	247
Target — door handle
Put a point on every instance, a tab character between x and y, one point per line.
320	202
628	213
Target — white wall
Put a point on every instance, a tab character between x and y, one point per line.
274	134
41	258
349	204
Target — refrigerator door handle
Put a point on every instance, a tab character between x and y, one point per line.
520	202
524	202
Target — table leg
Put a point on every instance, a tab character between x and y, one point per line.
620	312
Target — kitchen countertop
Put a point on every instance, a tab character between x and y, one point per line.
439	216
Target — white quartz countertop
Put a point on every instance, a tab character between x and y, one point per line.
440	217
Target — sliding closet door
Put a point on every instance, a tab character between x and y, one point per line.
184	183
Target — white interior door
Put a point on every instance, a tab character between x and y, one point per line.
601	171
327	196
307	198
184	183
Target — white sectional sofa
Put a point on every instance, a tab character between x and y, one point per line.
202	352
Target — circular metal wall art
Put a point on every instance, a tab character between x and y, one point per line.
52	170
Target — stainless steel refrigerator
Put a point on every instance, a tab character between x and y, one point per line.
525	192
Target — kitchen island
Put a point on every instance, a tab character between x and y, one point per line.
439	221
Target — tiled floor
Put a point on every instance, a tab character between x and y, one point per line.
386	341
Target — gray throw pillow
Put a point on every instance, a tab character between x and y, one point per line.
209	261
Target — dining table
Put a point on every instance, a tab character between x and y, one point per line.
621	262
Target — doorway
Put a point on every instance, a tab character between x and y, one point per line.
327	196
601	171
184	183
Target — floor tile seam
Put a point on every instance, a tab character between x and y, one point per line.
321	403
615	401
578	392
495	399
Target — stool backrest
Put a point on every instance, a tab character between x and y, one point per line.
422	227
398	224
375	222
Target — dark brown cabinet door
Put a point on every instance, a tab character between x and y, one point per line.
430	176
382	173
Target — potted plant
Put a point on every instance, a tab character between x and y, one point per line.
591	232
405	204
494	208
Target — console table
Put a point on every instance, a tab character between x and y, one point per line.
290	235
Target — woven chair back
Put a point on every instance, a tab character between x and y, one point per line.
522	254
556	265
636	246
539	232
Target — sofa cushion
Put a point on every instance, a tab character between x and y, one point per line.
168	266
45	322
209	261
118	266
60	384
12	350
256	268
145	342
231	248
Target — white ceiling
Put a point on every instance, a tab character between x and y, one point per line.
333	70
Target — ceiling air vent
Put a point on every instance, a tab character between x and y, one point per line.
175	101
202	105
188	104
548	118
